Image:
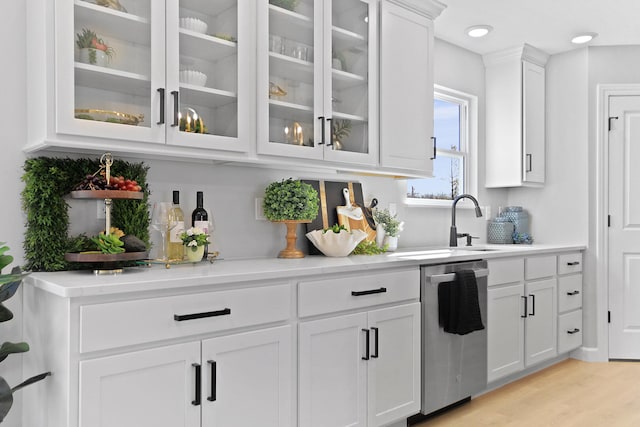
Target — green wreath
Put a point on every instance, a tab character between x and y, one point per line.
47	180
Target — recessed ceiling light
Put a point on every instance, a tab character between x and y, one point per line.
479	30
583	38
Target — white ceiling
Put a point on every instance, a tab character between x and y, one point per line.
548	25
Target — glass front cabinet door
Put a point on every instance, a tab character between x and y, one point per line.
154	71
317	79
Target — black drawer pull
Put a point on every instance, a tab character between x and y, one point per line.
196	402
375	342
574	331
526	312
533	305
573	293
366	344
181	317
214	374
574	263
369	292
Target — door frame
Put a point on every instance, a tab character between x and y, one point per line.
604	92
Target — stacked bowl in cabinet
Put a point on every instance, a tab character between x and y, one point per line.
569	302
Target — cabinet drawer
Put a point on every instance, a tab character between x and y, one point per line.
569	292
503	271
569	331
123	323
539	267
570	263
345	293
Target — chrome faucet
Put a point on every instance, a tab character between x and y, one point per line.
453	233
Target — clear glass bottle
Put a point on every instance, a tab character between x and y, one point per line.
175	248
200	219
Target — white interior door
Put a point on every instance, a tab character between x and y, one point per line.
624	231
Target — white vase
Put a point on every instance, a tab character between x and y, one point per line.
380	235
392	242
195	255
93	56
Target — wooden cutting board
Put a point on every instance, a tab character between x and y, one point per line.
352	217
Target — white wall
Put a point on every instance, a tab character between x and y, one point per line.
13	111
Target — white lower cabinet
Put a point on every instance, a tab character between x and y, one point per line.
360	369
521	315
209	383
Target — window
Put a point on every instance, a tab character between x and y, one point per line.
454	168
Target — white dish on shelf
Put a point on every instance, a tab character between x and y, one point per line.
193	77
193	24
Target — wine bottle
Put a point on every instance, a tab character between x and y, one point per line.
200	219
175	248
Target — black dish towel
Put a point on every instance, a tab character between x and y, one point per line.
458	305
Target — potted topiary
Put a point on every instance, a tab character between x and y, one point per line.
291	202
9	284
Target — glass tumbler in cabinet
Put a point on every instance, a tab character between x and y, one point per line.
106	80
207	44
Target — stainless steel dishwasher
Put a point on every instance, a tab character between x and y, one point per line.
454	367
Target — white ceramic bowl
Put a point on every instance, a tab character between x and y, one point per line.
336	244
193	77
193	24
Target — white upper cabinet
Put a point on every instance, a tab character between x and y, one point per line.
174	73
515	141
406	86
317	80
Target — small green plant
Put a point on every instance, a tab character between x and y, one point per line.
392	226
340	130
369	248
9	284
88	39
194	237
290	199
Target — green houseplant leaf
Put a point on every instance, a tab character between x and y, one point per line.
8	348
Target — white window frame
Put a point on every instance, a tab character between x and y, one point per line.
468	145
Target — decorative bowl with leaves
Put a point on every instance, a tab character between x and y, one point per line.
336	244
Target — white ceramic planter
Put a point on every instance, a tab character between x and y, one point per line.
93	56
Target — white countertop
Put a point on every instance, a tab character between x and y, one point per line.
72	284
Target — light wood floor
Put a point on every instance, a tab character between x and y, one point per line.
570	393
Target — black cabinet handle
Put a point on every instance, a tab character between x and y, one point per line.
321	118
196	402
533	305
181	317
573	263
375	342
161	92
330	144
366	344
529	160
573	293
574	331
434	148
176	108
214	374
369	292
525	306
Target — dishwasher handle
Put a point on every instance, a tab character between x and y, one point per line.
448	277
